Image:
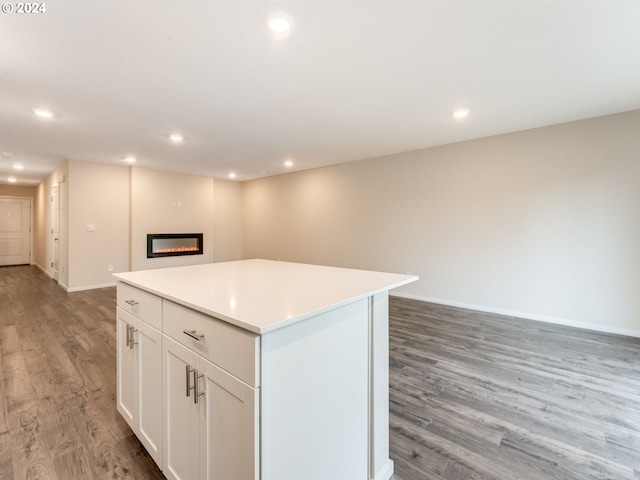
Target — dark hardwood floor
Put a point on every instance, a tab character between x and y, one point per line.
473	395
57	384
481	396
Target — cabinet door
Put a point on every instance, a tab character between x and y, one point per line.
139	364
181	414
229	439
127	371
149	357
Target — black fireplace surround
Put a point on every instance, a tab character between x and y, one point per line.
173	244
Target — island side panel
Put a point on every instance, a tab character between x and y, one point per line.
381	465
315	397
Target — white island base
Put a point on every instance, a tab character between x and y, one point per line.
264	370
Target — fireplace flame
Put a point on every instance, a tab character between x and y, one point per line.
175	249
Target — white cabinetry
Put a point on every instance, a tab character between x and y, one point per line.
139	369
210	416
181	414
229	438
266	370
127	374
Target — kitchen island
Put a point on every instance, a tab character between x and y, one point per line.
257	369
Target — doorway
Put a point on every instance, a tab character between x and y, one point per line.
15	231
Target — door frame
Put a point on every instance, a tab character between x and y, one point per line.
55	215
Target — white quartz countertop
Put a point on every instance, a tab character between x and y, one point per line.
263	295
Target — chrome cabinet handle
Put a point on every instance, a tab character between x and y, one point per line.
196	381
131	330
188	371
129	337
133	303
193	334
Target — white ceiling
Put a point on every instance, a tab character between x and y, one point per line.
355	79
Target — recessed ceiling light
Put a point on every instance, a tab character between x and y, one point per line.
280	23
288	163
12	179
461	113
17	166
176	137
130	159
43	113
232	175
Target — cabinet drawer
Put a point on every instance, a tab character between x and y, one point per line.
231	348
143	305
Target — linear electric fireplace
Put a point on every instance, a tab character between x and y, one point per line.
173	244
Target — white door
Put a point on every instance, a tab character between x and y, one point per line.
55	230
15	231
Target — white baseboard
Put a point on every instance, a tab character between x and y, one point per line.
44	270
89	287
528	316
385	473
75	289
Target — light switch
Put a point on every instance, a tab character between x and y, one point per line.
91	228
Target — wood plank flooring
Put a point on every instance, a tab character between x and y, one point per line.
473	395
484	397
57	384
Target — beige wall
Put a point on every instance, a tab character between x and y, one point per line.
227	218
124	204
543	223
40	210
153	196
98	196
43	221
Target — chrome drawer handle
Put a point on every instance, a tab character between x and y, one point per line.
133	303
193	334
